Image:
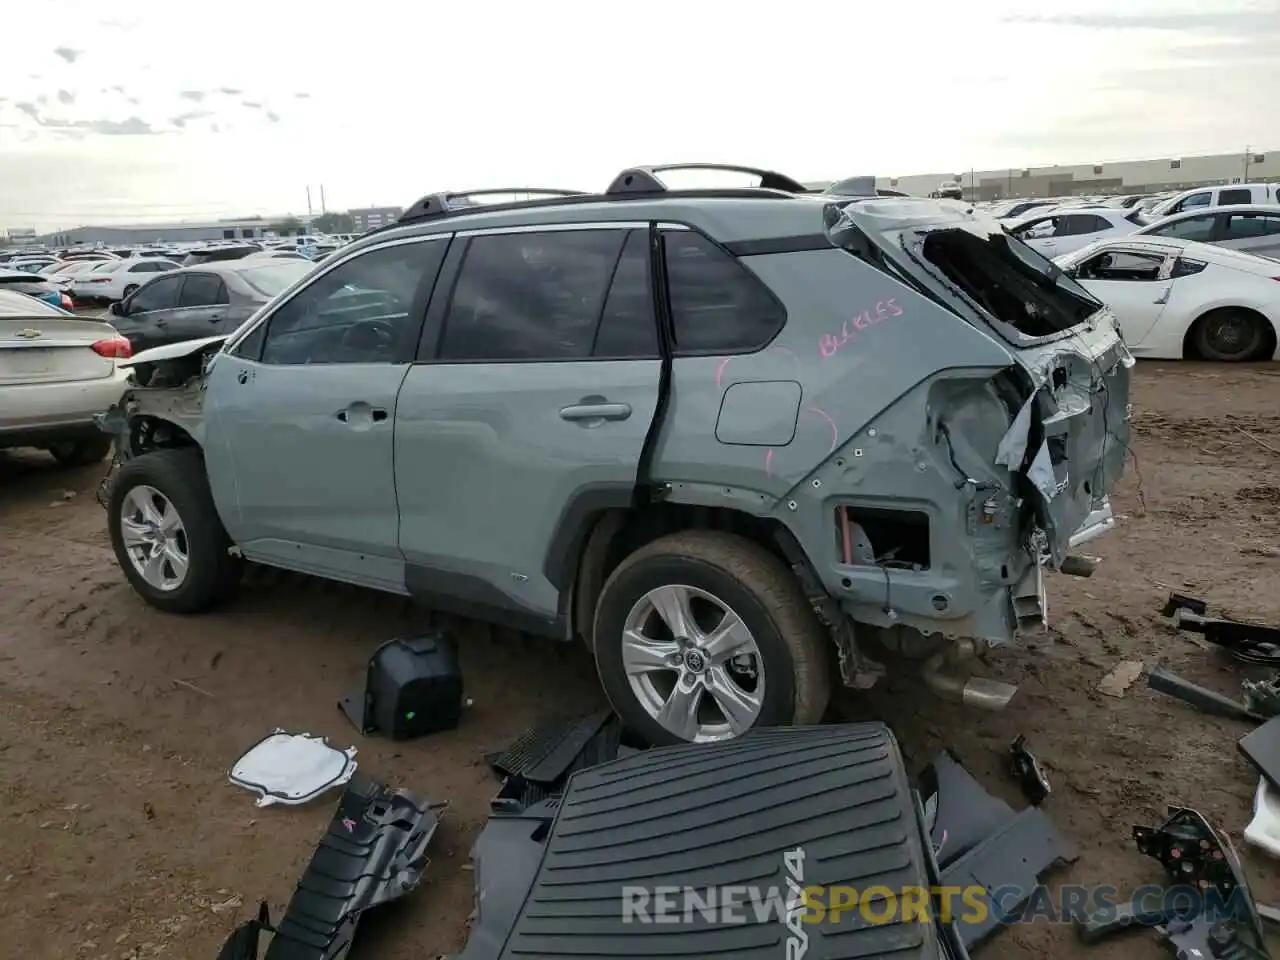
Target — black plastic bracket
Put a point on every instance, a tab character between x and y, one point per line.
439	204
1014	857
646	179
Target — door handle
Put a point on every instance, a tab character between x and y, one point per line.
596	411
376	414
1164	298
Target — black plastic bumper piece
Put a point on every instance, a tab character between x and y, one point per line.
373	851
707	817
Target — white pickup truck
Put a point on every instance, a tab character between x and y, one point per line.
1222	195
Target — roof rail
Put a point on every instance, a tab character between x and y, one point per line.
645	179
438	204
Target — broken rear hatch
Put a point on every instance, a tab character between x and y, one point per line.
1071	436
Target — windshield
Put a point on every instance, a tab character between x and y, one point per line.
274	278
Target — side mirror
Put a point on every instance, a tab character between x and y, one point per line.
117	308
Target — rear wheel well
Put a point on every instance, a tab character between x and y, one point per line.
615	534
1191	352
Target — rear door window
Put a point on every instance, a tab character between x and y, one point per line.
1235	195
1245	226
202	290
717	304
628	328
1198	228
531	296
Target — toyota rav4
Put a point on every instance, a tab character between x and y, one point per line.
736	440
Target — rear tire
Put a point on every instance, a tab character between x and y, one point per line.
178	476
80	453
1231	335
785	678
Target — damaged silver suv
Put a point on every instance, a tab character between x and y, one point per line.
736	440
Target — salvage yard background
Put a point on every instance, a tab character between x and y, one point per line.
121	838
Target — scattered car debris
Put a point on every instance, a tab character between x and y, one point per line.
1262	696
1197	856
1030	775
1250	642
413	687
373	852
1202	698
1262	748
979	841
1121	677
292	769
1263	830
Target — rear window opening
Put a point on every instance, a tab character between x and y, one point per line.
875	536
1010	281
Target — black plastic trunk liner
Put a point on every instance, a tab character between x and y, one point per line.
708	816
373	851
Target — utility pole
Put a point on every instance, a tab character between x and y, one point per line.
308	201
323	209
1248	155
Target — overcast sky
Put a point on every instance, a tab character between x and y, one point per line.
125	112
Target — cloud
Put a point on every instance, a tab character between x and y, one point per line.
66	96
251	104
273	117
182	119
68	54
132	101
134	126
42	100
230	91
1217	21
303	96
195	96
118	89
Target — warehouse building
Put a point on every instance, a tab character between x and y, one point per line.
1131	176
364	219
145	233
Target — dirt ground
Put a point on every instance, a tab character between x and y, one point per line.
121	837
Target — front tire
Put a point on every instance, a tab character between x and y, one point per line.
81	453
702	636
166	533
1231	335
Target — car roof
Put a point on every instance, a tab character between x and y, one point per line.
14	276
14	304
1213	211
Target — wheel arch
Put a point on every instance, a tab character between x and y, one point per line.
611	534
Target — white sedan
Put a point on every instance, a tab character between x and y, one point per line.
1064	229
1253	228
113	280
56	373
1178	298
